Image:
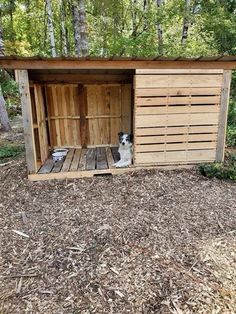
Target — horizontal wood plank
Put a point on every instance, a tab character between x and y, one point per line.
155	81
176	138
162	101
177	91
179	71
176	130
177	109
175	156
176	119
114	64
177	146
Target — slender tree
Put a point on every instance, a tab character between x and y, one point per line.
63	29
186	22
4	120
159	30
50	27
80	33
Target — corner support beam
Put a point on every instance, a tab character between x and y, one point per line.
224	104
23	81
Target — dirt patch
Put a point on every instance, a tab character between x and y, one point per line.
134	243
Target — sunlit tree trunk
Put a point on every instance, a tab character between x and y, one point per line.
75	12
80	33
4	120
134	18
50	27
63	29
186	22
159	31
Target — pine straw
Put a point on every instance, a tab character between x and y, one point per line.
148	242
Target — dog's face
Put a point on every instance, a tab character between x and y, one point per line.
125	139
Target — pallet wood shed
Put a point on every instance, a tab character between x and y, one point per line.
176	109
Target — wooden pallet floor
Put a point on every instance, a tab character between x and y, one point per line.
80	163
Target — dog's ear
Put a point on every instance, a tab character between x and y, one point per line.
131	137
120	134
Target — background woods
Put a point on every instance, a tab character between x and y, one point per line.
126	27
104	28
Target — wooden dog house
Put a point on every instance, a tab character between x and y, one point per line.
176	109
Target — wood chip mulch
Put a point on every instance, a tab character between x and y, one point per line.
147	242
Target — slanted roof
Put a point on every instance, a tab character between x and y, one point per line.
90	62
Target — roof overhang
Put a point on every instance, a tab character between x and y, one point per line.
15	62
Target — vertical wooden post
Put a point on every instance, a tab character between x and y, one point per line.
83	121
224	103
23	80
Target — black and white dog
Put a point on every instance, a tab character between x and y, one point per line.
125	150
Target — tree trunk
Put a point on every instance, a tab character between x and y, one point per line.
2	47
160	31
80	33
75	13
63	29
83	32
186	22
50	28
134	18
4	120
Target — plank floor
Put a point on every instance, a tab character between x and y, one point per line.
99	158
82	162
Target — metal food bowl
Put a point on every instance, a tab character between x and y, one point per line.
59	154
62	151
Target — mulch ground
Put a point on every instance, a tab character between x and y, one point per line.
147	242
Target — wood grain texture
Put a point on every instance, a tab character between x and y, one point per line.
75	161
177	109
176	138
126	107
224	103
68	160
178	80
47	166
177	91
115	64
90	159
175	146
177	120
179	71
197	156
41	122
163	101
24	90
101	159
202	129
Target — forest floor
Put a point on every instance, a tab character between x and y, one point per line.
145	242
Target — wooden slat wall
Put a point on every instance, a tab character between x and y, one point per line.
63	114
97	112
108	113
176	115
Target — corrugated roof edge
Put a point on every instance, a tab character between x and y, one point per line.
115	58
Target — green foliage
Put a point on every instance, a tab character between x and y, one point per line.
11	93
126	27
9	151
225	170
231	127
